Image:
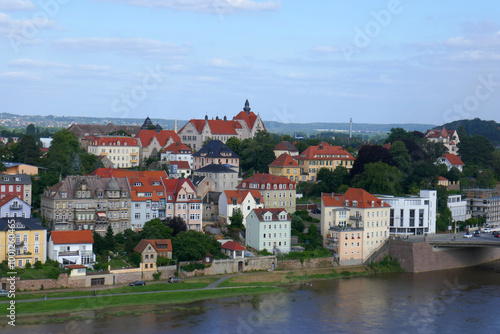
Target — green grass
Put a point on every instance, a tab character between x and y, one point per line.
92	303
118	264
228	283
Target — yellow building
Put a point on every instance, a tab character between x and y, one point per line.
285	166
322	156
122	151
14	168
22	241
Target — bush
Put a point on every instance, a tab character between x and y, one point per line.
157	276
193	266
28	265
388	264
345	273
38	265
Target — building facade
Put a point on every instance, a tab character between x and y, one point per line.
269	229
215	152
483	203
449	138
178	152
154	141
322	156
285	166
458	208
18	185
13	206
245	200
222	176
122	151
182	201
451	160
285	147
277	191
72	247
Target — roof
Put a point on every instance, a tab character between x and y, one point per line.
146	136
94	184
10	197
114	141
72	237
160	245
216	149
180	164
325	152
152	185
240	195
264	178
178	148
286	146
223	127
82	130
15	179
215	168
212	197
15	164
284	160
234	246
275	214
117	172
453	159
356	197
442	178
31	224
75	266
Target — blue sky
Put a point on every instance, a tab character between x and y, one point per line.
296	61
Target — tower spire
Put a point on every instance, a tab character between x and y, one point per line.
247	107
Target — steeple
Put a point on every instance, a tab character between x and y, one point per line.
247	107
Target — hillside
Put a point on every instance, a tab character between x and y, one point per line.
489	129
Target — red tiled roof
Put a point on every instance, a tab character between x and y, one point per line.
199	124
453	159
241	195
114	141
362	197
284	160
146	187
163	136
325	152
156	243
117	172
75	266
180	164
275	214
234	246
177	148
263	179
286	146
442	178
248	118
7	198
222	127
72	237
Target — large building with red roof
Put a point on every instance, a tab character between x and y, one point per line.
245	200
285	165
269	229
71	247
122	151
244	125
177	152
449	138
153	141
322	156
354	224
277	191
451	160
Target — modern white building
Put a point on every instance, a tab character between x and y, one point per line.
458	208
245	200
269	229
412	215
72	247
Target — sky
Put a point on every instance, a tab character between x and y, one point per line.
396	61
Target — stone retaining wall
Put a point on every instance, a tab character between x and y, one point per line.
296	264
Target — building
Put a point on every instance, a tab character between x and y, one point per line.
203	184
412	215
483	203
148	200
177	152
14	168
17	185
449	138
322	156
179	169
277	191
13	206
30	241
224	177
285	166
182	201
211	206
285	147
442	181
148	253
72	247
451	160
269	229
93	130
233	250
245	200
122	151
357	215
458	208
118	172
87	202
242	126
217	153
153	142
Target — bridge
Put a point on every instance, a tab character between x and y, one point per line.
457	241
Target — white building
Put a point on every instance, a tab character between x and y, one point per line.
269	229
412	215
177	152
122	151
245	200
72	247
458	208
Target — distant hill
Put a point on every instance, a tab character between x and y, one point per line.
476	126
21	121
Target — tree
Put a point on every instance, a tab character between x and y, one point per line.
434	150
193	246
63	154
297	223
99	243
236	220
379	178
234	144
369	154
400	155
156	229
398	134
477	151
454	174
31	130
2	167
27	151
177	224
257	152
109	239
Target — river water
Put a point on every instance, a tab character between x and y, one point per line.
452	301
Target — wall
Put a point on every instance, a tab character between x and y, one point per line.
306	264
36	284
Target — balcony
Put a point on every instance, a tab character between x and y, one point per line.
133	153
357	218
16	207
134	160
69	253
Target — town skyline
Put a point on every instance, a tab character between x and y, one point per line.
383	62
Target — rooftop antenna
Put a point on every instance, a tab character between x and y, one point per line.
350	129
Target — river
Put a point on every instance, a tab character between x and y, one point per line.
452	301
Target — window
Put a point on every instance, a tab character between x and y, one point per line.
36	250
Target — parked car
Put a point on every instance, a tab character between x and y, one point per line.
497	235
137	283
316	211
4	293
174	280
487	230
467	235
477	233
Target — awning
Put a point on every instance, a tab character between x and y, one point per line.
101	214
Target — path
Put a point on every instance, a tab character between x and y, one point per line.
216	283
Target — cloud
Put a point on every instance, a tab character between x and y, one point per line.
324	49
32	63
25	29
219	7
219	62
13	5
126	46
19	75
